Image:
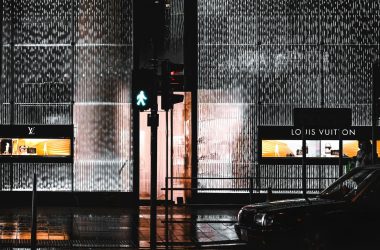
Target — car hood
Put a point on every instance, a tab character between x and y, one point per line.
291	204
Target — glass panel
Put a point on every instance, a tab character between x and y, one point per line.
5	85
50	176
7	17
104	22
225	144
174	48
102	156
103	73
5	179
5	110
346	7
348	74
289	75
52	114
42	74
42	22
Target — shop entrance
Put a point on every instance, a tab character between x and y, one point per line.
179	152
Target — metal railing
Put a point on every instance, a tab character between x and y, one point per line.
253	184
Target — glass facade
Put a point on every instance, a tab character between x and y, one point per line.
257	60
70	62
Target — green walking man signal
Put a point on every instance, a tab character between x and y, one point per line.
141	99
144	92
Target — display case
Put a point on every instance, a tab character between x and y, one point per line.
282	145
36	143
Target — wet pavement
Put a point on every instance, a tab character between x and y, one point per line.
120	228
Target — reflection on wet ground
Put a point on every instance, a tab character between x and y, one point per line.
119	228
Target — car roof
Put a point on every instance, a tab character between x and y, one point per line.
375	167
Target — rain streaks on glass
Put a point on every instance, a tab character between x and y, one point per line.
39	47
258	60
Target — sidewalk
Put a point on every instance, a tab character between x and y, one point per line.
121	228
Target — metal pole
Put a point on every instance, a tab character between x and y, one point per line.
12	103
167	154
34	214
171	154
374	146
258	178
250	189
153	121
304	165
1	83
166	183
72	84
191	76
153	117
12	64
340	153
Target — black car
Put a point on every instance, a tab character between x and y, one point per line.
345	215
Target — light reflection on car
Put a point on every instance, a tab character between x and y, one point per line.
341	215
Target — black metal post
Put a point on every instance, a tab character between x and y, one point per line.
135	113
153	123
34	214
304	183
250	189
72	84
191	81
1	73
166	183
171	155
12	102
258	178
340	153
12	63
374	146
153	119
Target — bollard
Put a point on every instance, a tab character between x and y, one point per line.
250	189
269	194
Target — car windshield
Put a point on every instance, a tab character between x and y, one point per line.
348	185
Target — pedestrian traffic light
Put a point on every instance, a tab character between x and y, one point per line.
172	79
143	88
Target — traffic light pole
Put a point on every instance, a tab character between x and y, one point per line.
171	155
153	124
159	19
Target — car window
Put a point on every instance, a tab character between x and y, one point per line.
348	186
371	194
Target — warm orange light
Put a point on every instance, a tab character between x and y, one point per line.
350	148
273	148
45	235
41	147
